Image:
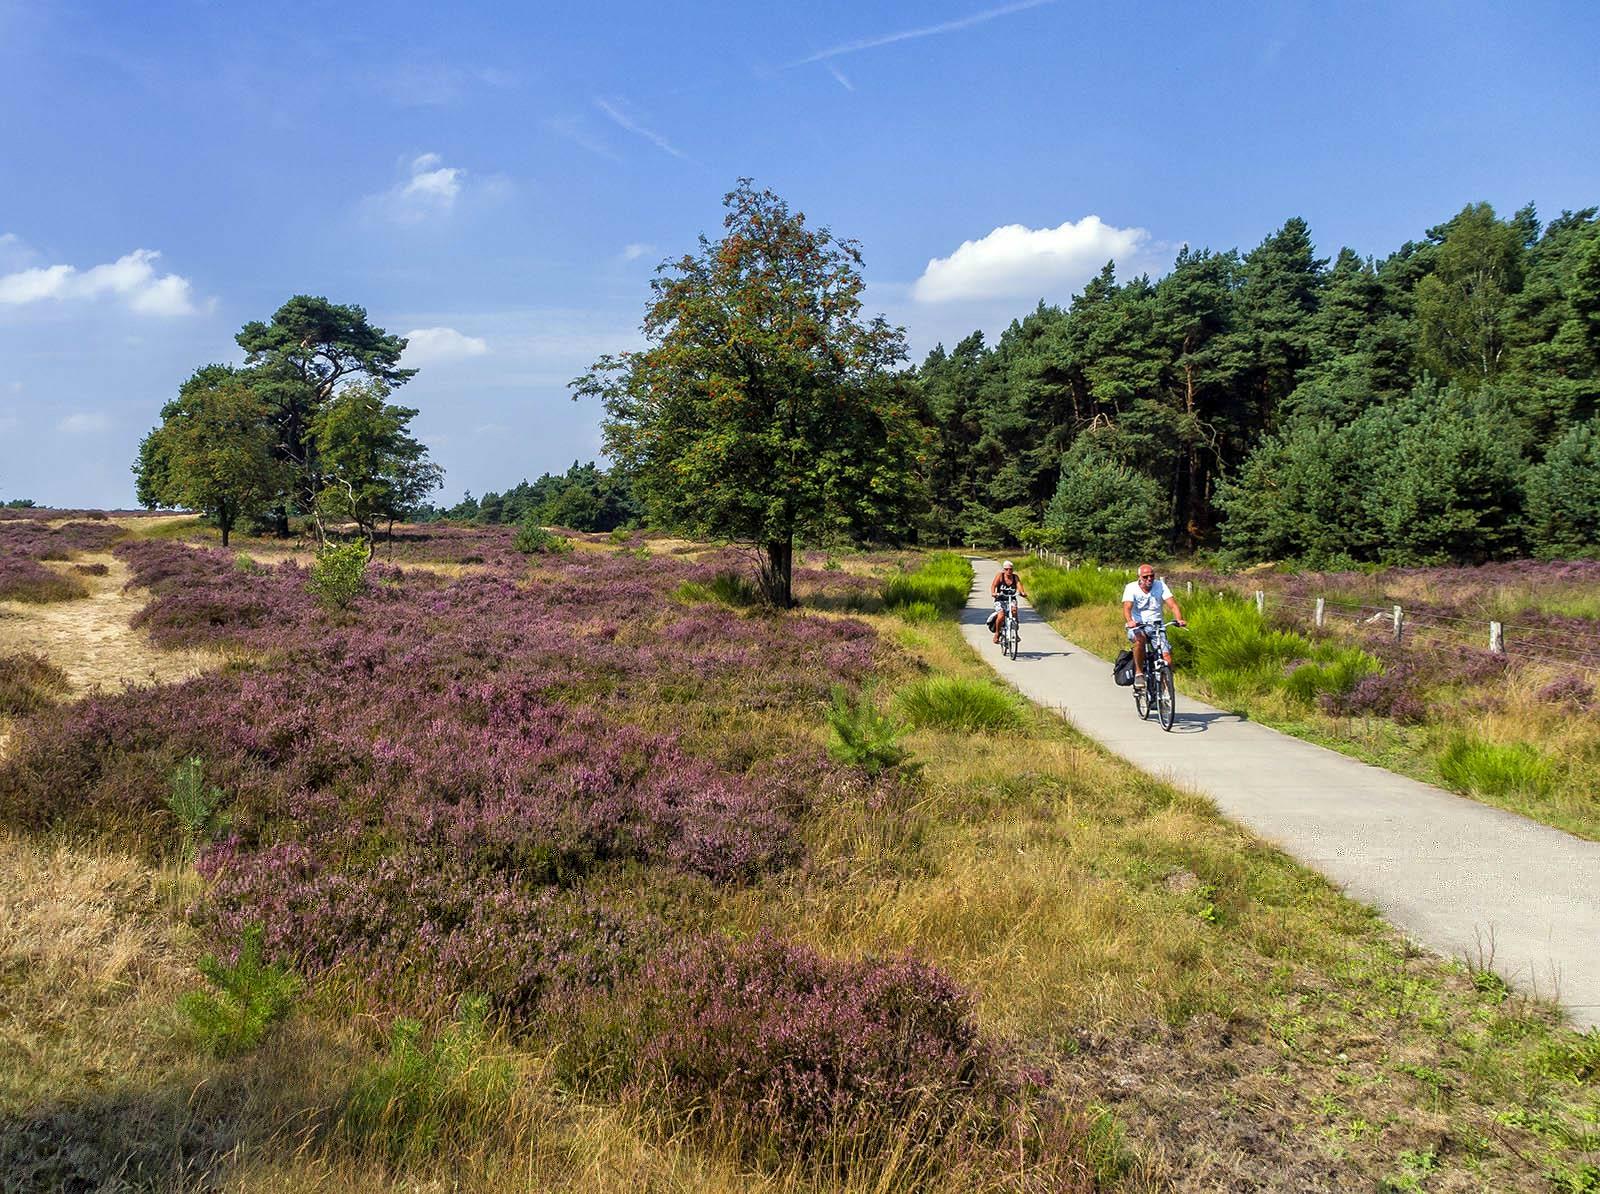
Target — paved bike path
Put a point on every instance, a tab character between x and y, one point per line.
1450	873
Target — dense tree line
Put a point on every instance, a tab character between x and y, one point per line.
584	498
304	428
1439	403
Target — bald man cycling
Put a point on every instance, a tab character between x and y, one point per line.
1142	602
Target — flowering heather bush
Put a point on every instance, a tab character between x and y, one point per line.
1568	690
799	1053
25	579
1391	693
415	929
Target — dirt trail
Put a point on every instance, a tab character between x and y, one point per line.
90	638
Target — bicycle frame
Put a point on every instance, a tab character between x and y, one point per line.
1010	628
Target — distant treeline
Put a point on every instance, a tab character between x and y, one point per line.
1438	404
584	498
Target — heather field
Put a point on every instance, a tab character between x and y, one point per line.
582	871
1519	729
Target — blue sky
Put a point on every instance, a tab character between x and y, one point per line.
501	178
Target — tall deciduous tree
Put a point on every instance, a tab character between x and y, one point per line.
372	468
763	392
213	451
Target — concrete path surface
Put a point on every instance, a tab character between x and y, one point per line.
1452	874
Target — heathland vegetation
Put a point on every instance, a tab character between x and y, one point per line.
555	871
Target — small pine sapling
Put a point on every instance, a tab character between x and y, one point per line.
246	998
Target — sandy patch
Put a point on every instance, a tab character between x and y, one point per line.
90	639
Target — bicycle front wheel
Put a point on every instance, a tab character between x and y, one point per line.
1166	700
1141	702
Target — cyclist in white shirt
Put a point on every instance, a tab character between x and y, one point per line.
1142	601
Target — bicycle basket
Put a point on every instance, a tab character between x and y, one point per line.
1122	669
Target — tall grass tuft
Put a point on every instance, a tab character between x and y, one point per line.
729	588
29	683
1470	764
1052	589
957	703
423	1099
943	582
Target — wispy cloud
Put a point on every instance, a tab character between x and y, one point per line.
839	75
428	191
614	108
84	423
636	250
887	39
132	278
432	85
572	128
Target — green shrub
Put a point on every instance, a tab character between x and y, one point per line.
246	999
943	581
919	611
862	736
339	574
421	1100
956	703
1333	671
1470	764
534	539
244	562
192	803
1105	509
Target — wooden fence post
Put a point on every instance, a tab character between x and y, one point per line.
1188	588
1319	613
1399	622
1261	602
1497	638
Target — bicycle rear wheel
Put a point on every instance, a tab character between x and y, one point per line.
1166	699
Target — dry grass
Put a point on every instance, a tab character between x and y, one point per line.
92	641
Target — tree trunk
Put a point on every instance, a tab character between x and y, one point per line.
225	521
777	572
280	522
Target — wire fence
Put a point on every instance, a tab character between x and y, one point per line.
1524	642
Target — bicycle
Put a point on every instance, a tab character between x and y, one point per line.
1010	632
1157	678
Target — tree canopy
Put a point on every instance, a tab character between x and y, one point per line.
764	406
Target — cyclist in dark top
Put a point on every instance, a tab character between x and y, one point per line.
1005	585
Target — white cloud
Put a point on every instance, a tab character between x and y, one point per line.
1016	261
84	423
428	191
574	130
428	345
131	278
636	250
839	75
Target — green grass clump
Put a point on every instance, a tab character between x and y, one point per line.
1491	769
943	582
1340	670
729	588
420	1100
862	736
247	998
1053	589
957	703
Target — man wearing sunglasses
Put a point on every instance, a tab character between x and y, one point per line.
1142	602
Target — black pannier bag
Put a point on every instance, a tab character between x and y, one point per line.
1122	669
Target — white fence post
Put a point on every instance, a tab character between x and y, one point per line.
1188	588
1319	613
1399	622
1261	602
1497	638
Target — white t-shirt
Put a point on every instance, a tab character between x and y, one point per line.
1146	606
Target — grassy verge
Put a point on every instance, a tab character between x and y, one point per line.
1477	729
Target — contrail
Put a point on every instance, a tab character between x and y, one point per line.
977	18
